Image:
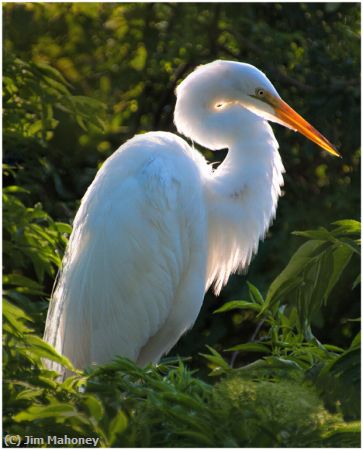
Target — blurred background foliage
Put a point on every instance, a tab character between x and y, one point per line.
81	78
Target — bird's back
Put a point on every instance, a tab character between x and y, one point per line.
140	234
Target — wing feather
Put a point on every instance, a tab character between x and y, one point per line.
128	251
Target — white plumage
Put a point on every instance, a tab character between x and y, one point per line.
158	226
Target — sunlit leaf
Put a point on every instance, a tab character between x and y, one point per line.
43	411
94	406
238	304
117	425
250	347
42	349
255	294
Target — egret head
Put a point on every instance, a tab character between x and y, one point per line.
212	101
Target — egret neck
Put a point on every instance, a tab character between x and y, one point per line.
244	191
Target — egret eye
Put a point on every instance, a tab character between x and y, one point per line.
219	105
260	92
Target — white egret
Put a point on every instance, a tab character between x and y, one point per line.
158	226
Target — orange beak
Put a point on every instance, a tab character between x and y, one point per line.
293	120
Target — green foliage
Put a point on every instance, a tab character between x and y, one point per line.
36	402
339	380
301	393
264	413
287	312
36	96
31	236
33	245
315	268
44	89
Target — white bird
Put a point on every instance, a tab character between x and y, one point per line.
158	226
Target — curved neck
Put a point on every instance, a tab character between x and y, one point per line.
252	162
242	199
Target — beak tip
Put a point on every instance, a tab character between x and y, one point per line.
336	153
291	119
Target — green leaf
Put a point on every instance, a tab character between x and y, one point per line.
339	380
43	412
353	245
309	277
347	226
21	280
298	262
35	127
11	310
63	227
320	234
94	407
182	399
271	363
356	341
216	358
42	349
343	435
58	87
15	318
117	425
283	287
15	189
341	258
357	281
250	347
237	304
255	294
198	438
333	348
29	394
52	72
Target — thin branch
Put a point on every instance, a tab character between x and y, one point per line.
253	338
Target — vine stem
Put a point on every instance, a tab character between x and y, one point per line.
253	338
